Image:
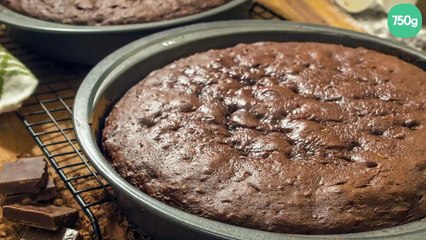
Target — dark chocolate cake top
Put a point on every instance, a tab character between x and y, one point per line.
286	137
109	12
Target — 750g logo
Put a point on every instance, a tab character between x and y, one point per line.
404	20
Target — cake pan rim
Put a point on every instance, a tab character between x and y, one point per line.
82	115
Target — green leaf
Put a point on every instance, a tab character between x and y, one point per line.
3	65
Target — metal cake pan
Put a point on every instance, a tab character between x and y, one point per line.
111	78
90	44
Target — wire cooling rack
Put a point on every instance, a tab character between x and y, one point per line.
48	117
259	11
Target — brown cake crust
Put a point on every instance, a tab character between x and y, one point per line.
109	12
285	137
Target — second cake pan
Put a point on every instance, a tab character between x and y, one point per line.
111	78
90	44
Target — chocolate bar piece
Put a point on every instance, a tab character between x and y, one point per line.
17	198
46	216
26	175
46	194
39	234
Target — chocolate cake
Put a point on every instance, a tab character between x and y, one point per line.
286	137
102	12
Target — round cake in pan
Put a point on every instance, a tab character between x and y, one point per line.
107	12
285	137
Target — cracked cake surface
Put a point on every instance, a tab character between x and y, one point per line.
109	12
285	137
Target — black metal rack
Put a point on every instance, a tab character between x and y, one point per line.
48	117
51	109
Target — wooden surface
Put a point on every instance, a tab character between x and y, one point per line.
14	139
312	11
